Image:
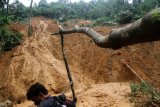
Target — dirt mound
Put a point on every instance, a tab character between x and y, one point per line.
39	59
105	95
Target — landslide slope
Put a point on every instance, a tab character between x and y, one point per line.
95	70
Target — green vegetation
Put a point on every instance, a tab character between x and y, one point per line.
155	17
124	17
9	39
116	11
112	11
144	95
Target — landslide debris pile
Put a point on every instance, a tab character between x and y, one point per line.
100	78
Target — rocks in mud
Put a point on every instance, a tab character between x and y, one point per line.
6	103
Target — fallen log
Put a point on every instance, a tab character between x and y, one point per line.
145	29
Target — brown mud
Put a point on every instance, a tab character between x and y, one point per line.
100	78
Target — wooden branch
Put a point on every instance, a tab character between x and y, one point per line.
145	29
132	70
99	39
154	104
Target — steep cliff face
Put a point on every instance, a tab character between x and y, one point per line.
39	59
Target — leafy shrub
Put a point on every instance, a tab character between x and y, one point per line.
9	39
124	17
104	21
11	18
136	17
3	21
62	19
144	95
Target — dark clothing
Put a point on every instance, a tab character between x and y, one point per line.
50	102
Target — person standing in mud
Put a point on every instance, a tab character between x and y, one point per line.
39	95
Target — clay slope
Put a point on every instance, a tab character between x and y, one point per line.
39	59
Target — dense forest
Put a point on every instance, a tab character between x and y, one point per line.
102	12
105	10
99	10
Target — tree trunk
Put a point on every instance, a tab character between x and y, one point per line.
143	30
7	10
30	15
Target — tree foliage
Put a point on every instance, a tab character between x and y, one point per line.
9	39
62	10
95	9
124	17
8	14
144	95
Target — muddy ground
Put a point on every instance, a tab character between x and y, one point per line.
100	78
